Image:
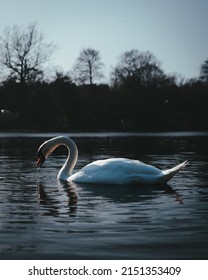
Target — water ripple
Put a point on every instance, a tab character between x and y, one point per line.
40	218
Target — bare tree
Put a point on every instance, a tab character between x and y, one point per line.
88	67
23	53
141	67
204	72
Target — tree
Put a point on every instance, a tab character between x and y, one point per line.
62	78
138	67
88	67
204	72
23	53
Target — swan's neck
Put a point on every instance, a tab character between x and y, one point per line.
68	166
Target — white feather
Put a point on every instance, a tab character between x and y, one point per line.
108	171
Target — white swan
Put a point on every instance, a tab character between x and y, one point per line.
107	171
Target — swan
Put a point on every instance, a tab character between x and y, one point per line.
107	171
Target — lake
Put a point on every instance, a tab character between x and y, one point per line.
43	219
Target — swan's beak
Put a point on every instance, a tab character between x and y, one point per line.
40	161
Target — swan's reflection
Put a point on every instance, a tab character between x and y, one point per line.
65	196
54	200
127	193
178	197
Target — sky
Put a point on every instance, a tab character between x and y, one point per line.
175	31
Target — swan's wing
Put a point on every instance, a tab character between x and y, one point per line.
123	171
121	165
118	171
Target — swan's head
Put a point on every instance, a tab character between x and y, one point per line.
44	151
50	145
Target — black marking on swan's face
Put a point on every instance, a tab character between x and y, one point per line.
41	158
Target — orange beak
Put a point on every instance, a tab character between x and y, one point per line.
40	161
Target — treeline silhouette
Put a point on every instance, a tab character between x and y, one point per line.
61	105
141	96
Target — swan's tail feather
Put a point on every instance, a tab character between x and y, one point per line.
169	173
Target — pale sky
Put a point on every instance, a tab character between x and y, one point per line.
175	31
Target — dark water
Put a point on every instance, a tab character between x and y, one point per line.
41	219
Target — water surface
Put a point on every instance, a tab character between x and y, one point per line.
43	219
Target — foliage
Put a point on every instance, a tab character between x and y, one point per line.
61	105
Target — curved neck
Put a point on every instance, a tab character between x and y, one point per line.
68	166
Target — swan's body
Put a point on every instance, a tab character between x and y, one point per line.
107	171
